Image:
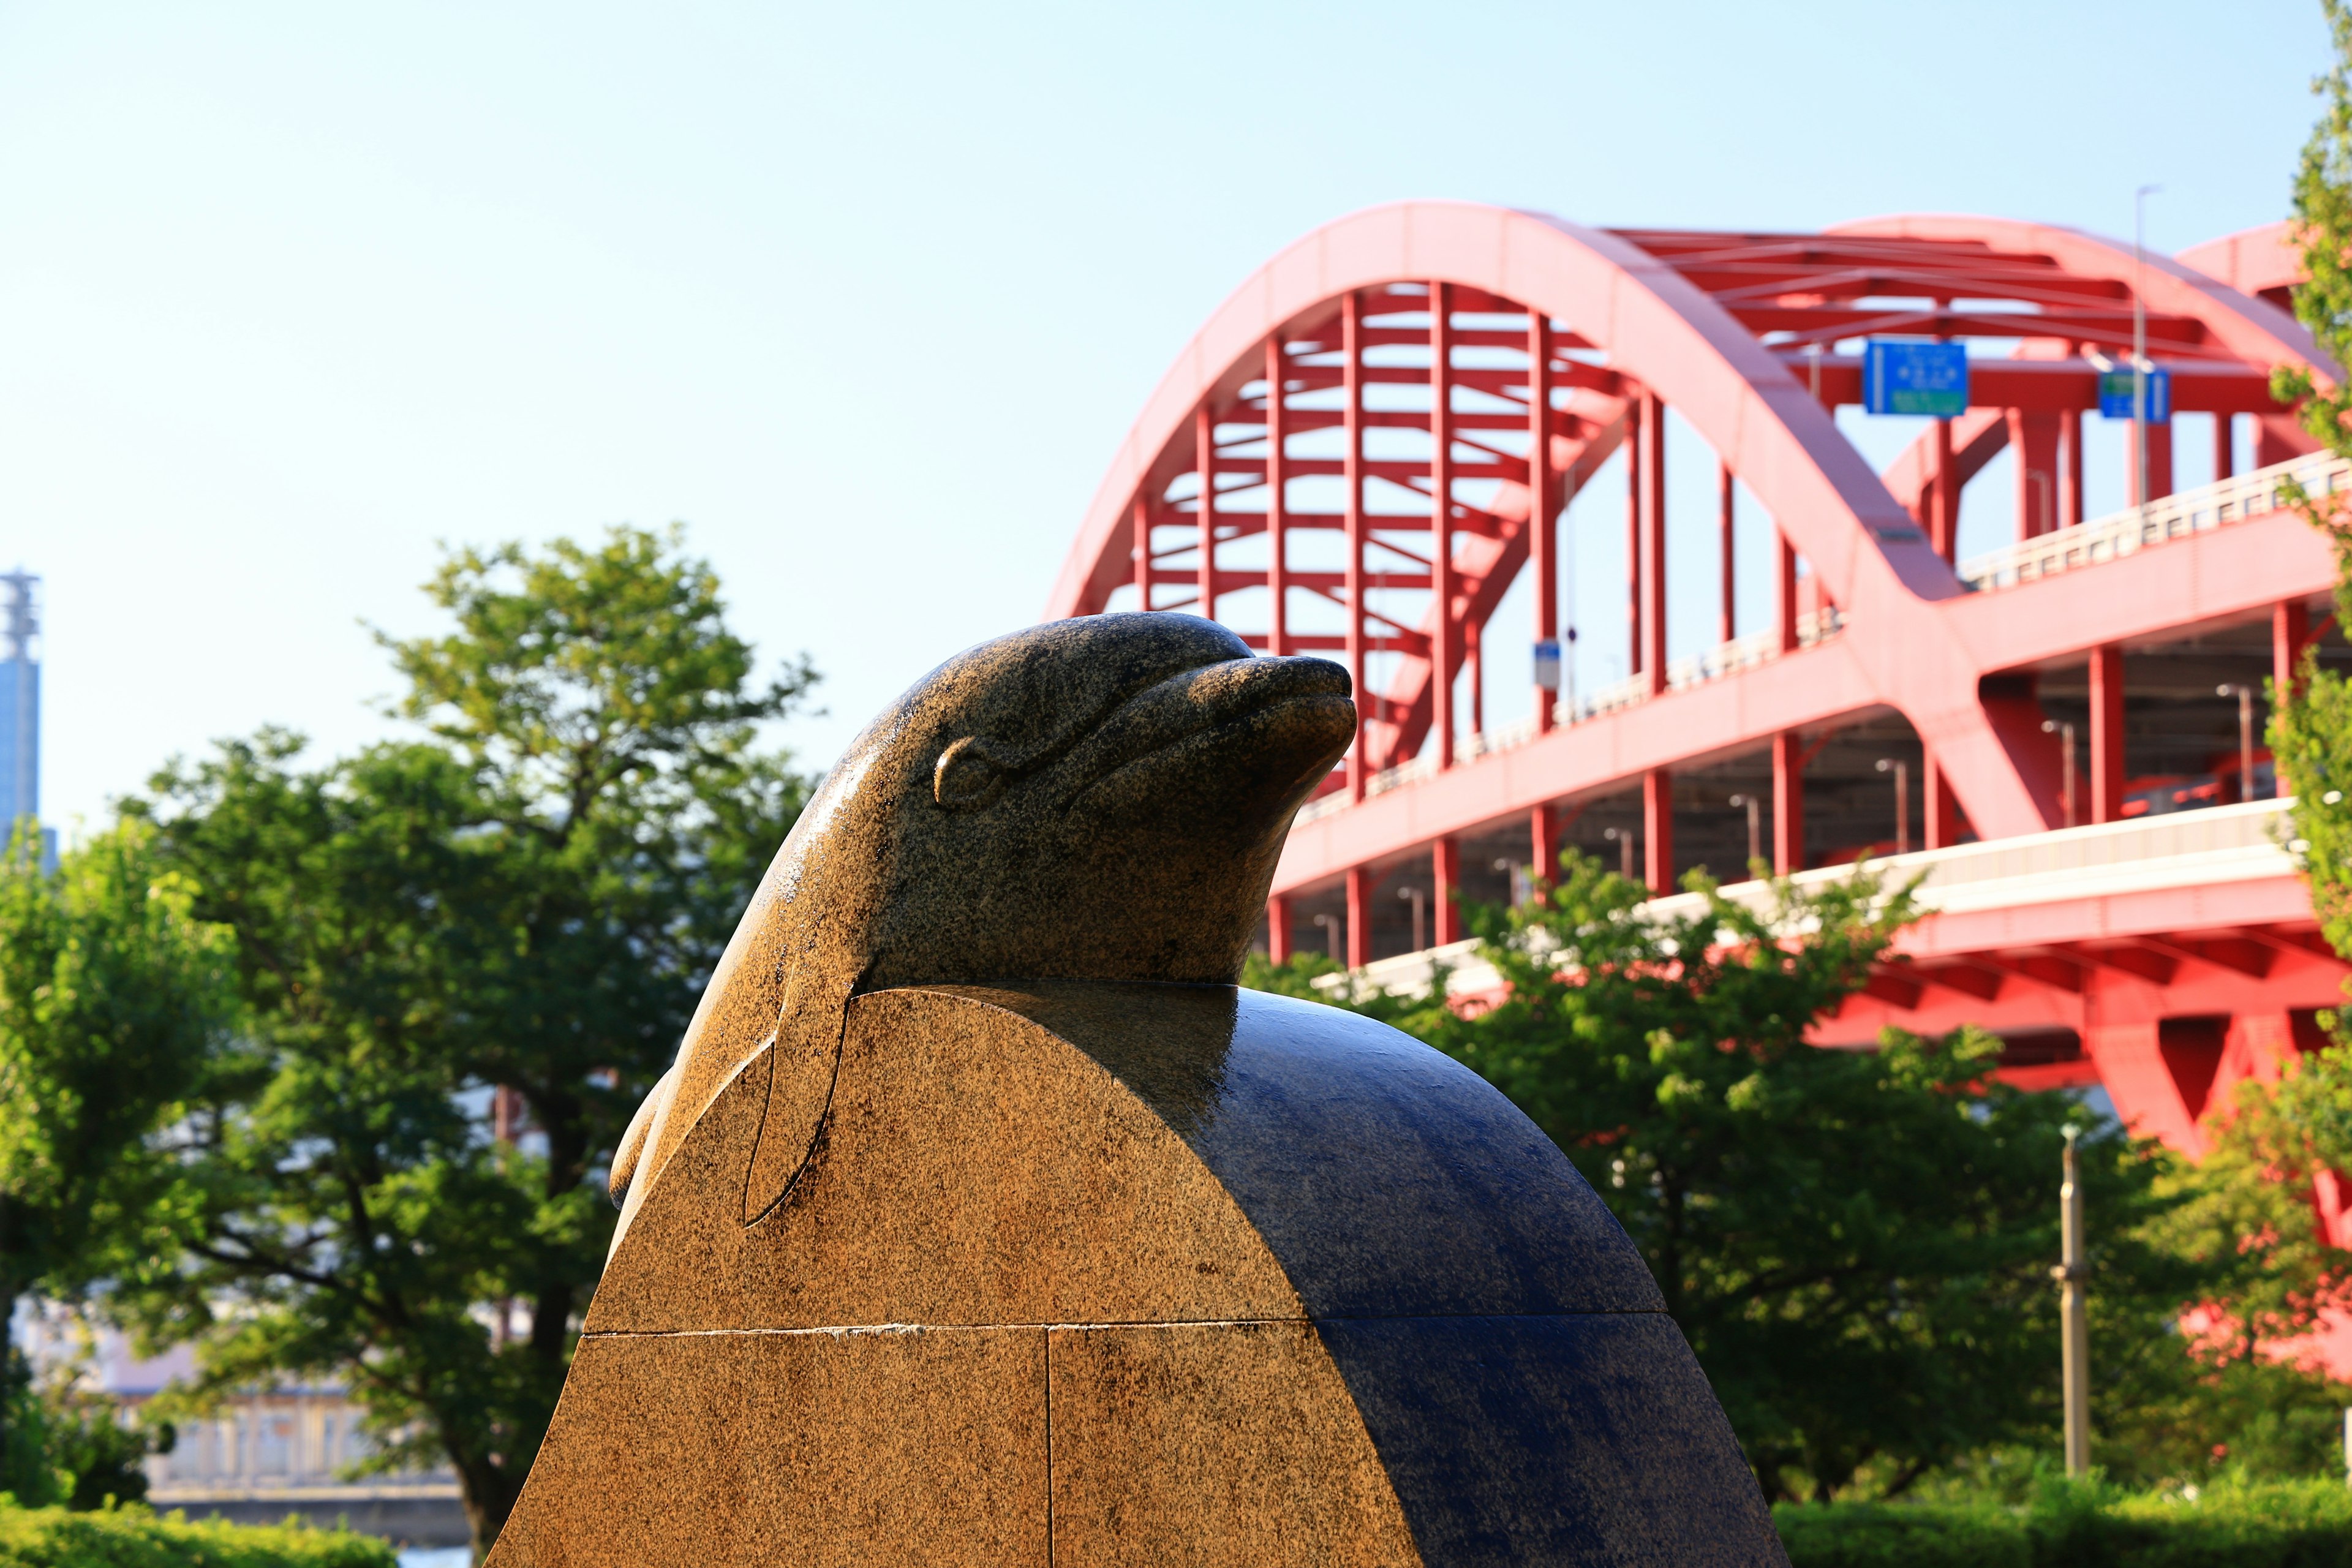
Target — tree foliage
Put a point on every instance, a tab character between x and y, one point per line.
116	1012
530	897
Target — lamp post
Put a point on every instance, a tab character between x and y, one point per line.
2065	733
2139	334
1330	924
1901	771
1624	840
2074	1357
1420	901
2245	696
1755	827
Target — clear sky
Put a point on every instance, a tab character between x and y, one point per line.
866	295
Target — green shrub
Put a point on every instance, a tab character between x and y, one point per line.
140	1538
2286	1525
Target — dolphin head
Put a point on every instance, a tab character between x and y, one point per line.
1101	798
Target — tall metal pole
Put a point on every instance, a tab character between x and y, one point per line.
1444	630
1277	509
1351	377
2075	1357
2139	337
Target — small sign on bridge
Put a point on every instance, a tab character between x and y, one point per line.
1900	377
2116	393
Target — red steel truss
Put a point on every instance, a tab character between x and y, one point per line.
1378	432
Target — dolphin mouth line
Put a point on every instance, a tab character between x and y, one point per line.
1267	688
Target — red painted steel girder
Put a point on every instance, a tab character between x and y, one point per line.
1715	326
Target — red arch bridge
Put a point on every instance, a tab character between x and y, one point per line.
1385	431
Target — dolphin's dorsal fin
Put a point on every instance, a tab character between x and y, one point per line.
803	1058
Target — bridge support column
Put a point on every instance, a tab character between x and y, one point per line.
2160	462
1204	447
1142	529
2146	1093
1351	419
1654	506
2106	733
1360	916
1658	830
1635	408
1787	803
1444	631
1728	624
1277	929
2225	447
2070	467
2290	635
1543	844
1543	541
1784	591
1944	495
2033	439
1939	808
1445	891
1278	506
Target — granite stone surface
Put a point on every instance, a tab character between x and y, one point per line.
984	1220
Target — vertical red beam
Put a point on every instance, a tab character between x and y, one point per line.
1445	874
1360	916
1784	591
1543	543
1351	348
1543	844
1445	631
2225	450
1634	406
2033	440
1277	507
1944	507
1658	830
1940	811
1142	528
1788	804
2106	733
2290	632
1204	457
2160	462
2070	467
1728	624
1654	568
1277	929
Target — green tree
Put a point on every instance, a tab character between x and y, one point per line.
1857	1243
116	1011
532	896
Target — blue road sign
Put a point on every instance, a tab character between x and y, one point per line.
2116	395
1548	663
1900	377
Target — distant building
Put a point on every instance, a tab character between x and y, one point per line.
264	1453
20	706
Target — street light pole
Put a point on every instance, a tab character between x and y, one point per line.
2245	696
1420	902
1755	827
2074	1360
1901	771
1624	838
2065	760
2139	334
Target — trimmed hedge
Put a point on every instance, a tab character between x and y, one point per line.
140	1538
2295	1524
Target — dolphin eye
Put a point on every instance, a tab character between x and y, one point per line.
968	775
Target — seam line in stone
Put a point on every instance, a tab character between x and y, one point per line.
839	1328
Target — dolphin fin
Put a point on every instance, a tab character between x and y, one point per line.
805	1054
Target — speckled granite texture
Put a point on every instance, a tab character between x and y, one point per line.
922	1264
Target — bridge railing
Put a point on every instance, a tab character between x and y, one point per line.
2201	511
2176	850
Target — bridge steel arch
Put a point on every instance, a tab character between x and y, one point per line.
1551	346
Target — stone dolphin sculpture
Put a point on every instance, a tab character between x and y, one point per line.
983	1219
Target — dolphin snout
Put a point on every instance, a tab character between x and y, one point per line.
1273	710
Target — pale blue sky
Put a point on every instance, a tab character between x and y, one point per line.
866	295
